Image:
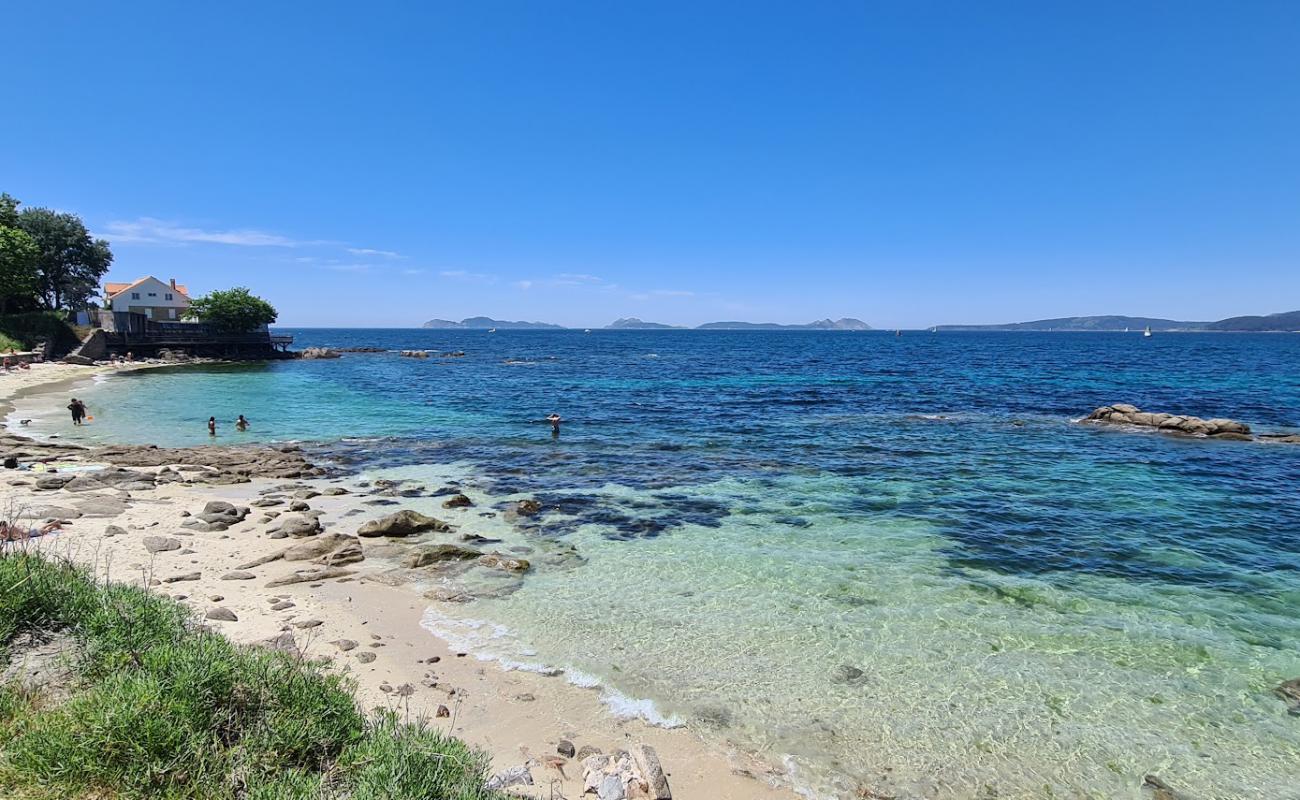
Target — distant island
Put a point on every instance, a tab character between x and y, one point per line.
487	323
632	323
1287	321
843	324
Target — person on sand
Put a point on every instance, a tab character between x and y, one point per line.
78	411
212	426
241	424
13	533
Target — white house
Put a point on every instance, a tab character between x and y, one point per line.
148	296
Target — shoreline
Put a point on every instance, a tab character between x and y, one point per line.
517	717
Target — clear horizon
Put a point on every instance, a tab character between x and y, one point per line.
577	163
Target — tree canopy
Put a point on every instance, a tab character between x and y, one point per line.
69	261
19	277
233	310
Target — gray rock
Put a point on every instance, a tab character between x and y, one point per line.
84	483
307	575
402	523
504	562
283	643
457	501
189	576
299	526
366	657
204	526
527	508
299	505
53	482
283	605
565	748
114	530
103	506
438	553
646	761
344	645
515	776
238	575
587	751
331	549
611	787
309	623
848	675
221	614
160	544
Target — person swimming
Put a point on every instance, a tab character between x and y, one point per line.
212	426
241	424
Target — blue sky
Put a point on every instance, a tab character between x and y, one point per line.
906	163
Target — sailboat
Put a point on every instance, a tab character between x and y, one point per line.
492	330
1147	333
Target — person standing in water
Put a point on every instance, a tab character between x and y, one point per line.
555	420
241	424
78	410
212	426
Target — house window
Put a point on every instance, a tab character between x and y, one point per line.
168	296
153	294
171	312
135	295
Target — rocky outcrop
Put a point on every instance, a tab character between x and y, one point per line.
403	523
320	352
1125	414
415	354
211	463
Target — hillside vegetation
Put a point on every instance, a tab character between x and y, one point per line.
144	703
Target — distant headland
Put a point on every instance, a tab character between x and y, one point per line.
1287	321
632	323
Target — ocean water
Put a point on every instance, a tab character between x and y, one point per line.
879	562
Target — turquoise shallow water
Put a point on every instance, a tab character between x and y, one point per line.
878	561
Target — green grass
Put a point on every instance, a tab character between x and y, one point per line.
160	708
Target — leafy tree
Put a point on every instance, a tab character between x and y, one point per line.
18	275
69	261
18	272
233	310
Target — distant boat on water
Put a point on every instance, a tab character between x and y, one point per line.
1147	332
492	330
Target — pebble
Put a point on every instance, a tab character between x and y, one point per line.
365	657
566	748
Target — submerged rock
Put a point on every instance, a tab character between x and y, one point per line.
504	562
1290	692
457	501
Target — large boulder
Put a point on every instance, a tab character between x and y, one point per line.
402	523
331	549
298	525
438	553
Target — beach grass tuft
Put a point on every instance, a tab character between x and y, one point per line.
151	704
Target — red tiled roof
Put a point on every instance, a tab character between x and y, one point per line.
113	289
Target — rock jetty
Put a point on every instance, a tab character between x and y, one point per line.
320	352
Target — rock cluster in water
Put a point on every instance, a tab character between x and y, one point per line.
1218	428
320	352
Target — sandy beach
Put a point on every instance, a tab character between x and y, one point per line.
361	621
